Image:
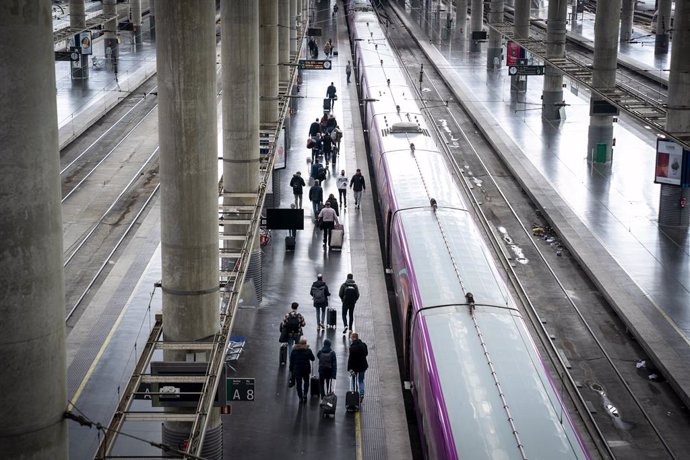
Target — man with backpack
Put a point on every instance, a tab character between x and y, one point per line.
319	293
293	322
327	367
349	293
297	184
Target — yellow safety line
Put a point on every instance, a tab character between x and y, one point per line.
358	437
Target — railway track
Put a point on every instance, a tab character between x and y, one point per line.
589	350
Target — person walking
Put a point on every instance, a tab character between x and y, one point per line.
314	128
327	49
348	71
301	357
328	366
333	201
341	182
328	219
357	362
357	184
316	198
330	94
297	184
349	294
326	147
319	293
293	322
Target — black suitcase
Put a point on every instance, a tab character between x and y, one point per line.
329	402
289	243
352	396
283	354
327	105
331	318
314	386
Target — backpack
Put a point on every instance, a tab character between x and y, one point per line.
350	294
321	173
292	324
320	294
325	360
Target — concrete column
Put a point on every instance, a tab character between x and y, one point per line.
268	55
187	134
135	16
461	17
521	32
663	26
33	392
152	19
293	28
678	119
77	14
606	28
476	22
552	96
627	20
110	35
283	40
493	52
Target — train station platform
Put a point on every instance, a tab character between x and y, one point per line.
606	216
104	345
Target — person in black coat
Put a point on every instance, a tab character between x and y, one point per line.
328	367
300	367
297	184
315	128
357	361
319	293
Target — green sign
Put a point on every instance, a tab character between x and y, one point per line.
240	389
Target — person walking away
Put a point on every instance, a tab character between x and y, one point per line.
316	147
341	183
316	198
327	147
357	361
357	184
328	219
314	128
332	200
327	49
319	293
297	184
330	94
300	367
331	124
293	322
328	366
349	294
348	71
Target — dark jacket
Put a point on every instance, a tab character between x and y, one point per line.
314	128
301	357
327	144
316	284
357	360
357	183
341	292
330	92
316	194
301	324
327	352
334	205
297	183
315	169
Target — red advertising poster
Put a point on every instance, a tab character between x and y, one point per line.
669	163
514	52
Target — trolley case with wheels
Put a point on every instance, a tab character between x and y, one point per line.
283	354
289	243
331	317
337	236
314	385
327	105
352	396
329	402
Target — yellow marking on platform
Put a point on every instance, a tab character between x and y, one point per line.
358	436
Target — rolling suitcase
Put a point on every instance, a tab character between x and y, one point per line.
327	105
352	396
331	318
314	385
337	236
283	354
289	243
329	402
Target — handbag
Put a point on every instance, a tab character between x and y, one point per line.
319	223
310	143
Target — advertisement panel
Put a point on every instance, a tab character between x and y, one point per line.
85	42
669	163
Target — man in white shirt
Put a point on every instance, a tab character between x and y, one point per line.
341	183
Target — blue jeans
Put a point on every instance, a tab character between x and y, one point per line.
315	208
360	380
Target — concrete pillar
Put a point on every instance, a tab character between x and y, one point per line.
294	13
187	134
461	17
283	40
493	52
476	22
33	392
77	14
678	118
552	96
606	28
152	19
110	40
135	17
627	20
663	26
268	55
521	32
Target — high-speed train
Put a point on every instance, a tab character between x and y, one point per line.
480	387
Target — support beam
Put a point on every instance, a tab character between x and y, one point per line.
552	96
